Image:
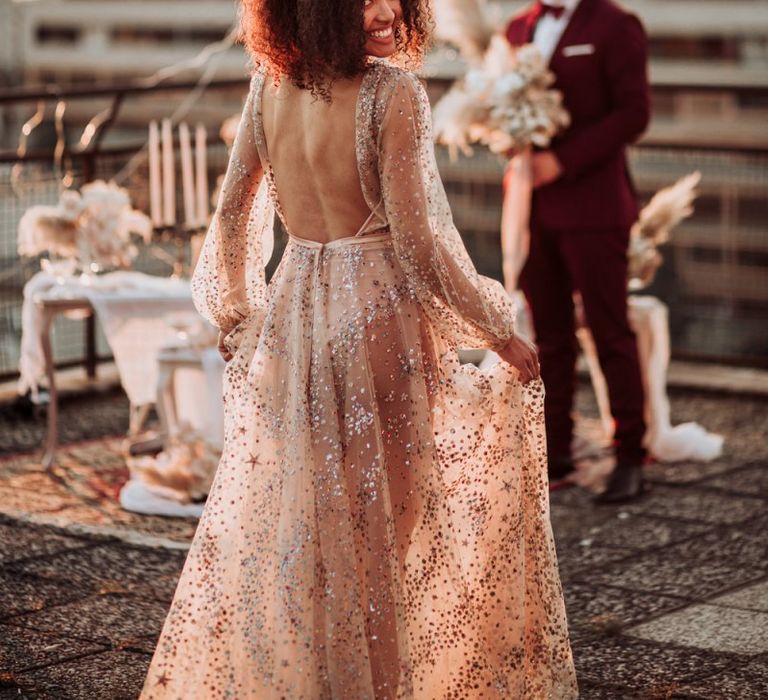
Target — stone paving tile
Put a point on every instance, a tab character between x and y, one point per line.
639	532
590	691
696	569
757	526
138	569
753	597
108	618
709	627
26	648
144	643
574	557
572	512
596	608
618	539
22	543
750	481
697	505
686	472
12	693
741	682
20	593
113	675
643	666
82	416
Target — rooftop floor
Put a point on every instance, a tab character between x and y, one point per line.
667	598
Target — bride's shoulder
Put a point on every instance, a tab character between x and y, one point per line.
384	72
263	74
388	80
258	77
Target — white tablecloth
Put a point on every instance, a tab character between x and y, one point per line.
649	318
135	311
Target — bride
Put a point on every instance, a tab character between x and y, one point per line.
379	525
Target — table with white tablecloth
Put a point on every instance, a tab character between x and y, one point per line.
140	314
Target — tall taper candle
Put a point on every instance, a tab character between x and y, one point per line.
187	176
155	190
169	175
201	163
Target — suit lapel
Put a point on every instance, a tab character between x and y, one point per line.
579	20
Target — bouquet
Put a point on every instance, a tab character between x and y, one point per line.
506	103
93	226
667	208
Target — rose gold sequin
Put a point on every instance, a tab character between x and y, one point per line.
379	524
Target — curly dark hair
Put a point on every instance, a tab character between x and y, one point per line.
314	42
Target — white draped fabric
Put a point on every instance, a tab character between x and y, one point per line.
667	443
133	309
649	319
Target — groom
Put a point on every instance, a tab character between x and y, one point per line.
583	207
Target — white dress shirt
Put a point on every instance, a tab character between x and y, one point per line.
549	29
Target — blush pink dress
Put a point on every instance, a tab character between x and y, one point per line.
379	523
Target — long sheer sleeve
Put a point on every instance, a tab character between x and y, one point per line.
228	284
467	309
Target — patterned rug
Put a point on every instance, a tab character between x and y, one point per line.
81	493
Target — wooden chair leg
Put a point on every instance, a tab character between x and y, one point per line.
52	436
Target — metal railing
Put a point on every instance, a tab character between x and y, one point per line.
715	277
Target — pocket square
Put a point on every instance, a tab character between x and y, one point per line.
579	50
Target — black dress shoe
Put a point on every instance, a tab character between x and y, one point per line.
558	470
624	485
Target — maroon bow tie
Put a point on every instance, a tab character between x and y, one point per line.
555	10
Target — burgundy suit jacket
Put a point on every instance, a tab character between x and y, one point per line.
606	93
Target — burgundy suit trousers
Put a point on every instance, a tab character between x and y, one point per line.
594	263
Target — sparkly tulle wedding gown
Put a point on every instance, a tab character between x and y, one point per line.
379	525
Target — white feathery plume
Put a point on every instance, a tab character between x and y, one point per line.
94	225
183	472
667	208
453	118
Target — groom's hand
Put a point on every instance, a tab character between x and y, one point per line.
545	168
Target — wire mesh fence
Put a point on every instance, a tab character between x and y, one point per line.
39	183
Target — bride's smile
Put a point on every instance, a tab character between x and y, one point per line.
380	18
382	35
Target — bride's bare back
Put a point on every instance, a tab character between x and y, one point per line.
311	146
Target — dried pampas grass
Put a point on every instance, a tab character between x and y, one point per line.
667	208
465	24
